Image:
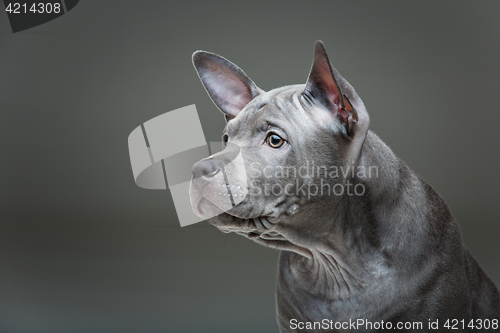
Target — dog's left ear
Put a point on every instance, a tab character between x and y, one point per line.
228	86
326	85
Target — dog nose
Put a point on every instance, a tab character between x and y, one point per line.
206	168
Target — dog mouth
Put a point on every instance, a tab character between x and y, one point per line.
207	209
258	228
268	235
255	228
210	198
252	228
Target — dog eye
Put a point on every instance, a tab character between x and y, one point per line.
225	138
275	141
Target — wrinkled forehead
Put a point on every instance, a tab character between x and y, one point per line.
282	107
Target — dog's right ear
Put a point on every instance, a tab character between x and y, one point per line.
228	86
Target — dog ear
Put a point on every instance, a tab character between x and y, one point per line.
321	84
327	85
228	86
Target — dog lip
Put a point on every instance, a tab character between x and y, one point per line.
257	227
245	217
205	204
264	235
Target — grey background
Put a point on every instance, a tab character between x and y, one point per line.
83	249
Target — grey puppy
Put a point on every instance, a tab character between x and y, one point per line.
367	244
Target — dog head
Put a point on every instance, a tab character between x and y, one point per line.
282	150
